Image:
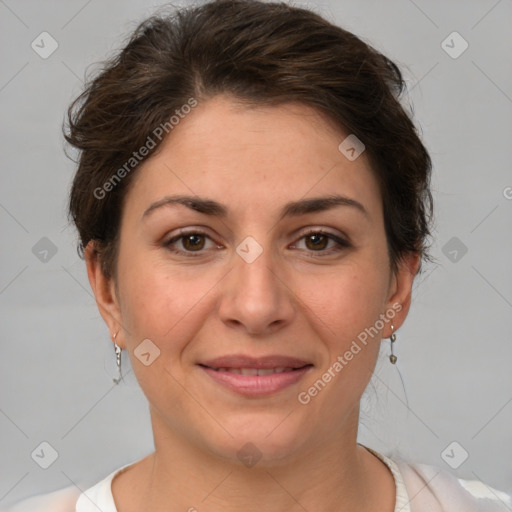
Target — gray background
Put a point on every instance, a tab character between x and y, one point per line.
455	348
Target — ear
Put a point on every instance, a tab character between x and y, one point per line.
104	291
400	291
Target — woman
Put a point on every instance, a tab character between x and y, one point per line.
253	206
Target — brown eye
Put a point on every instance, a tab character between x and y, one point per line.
193	242
318	241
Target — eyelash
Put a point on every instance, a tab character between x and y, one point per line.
342	244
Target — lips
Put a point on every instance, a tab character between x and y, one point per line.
256	377
276	362
254	371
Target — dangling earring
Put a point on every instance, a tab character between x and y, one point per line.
392	338
118	350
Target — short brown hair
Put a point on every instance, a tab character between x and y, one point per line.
259	53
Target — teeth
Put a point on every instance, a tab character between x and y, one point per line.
249	371
268	371
255	371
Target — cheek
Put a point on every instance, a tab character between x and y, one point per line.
162	303
153	303
347	301
344	313
159	308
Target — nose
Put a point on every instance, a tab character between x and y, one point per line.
257	297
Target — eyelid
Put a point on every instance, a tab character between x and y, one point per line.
324	231
183	232
342	242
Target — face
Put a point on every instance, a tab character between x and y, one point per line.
259	271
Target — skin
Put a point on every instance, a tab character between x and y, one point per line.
291	300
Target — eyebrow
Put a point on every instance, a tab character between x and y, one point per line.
291	209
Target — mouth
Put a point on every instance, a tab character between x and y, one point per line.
256	377
254	371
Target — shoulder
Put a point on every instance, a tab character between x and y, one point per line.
63	500
72	499
433	488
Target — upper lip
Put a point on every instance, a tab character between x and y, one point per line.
241	361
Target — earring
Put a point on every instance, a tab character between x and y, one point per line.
392	338
118	350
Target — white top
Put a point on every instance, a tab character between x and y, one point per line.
419	488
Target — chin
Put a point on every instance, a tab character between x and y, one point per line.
264	439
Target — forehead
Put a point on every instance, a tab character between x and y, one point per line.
253	158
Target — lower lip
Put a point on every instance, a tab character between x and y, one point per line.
257	385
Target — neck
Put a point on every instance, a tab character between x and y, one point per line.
329	475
